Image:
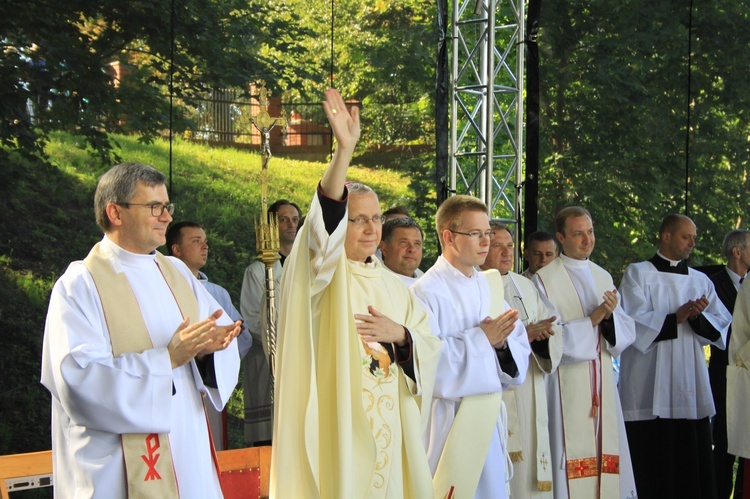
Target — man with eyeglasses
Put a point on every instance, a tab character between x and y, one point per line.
132	345
590	456
485	351
256	378
187	241
528	434
356	360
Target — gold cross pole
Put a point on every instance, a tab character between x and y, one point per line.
267	228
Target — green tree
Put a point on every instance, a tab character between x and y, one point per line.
614	114
55	71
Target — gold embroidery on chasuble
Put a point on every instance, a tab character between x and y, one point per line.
380	380
380	401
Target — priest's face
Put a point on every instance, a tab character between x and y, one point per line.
463	251
577	238
540	254
500	254
288	217
362	239
403	252
134	228
679	244
193	248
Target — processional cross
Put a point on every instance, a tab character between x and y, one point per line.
267	229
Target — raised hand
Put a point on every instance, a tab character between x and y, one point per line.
345	125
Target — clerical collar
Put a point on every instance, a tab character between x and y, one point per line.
126	257
672	263
573	262
664	264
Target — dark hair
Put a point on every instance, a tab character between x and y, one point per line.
174	233
397	210
398	223
540	237
274	208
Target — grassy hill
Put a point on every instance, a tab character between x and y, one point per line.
47	220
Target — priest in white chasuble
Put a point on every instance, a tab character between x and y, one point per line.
664	384
528	432
356	362
485	350
590	455
133	347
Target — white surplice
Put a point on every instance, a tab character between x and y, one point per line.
96	397
244	342
530	397
468	362
581	342
668	379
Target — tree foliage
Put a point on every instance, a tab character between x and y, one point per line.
55	62
614	117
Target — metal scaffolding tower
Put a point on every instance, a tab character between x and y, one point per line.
486	122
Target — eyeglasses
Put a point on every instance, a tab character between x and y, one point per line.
360	221
157	209
477	234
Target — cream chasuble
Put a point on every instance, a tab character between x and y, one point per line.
528	432
97	396
589	446
348	422
738	377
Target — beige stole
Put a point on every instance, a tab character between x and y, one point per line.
535	378
587	475
148	457
465	450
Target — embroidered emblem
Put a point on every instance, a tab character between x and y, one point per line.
543	461
152	445
582	468
611	464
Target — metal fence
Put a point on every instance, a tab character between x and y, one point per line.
225	116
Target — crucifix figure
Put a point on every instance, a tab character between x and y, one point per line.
267	230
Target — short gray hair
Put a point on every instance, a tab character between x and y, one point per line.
735	239
497	224
118	185
357	188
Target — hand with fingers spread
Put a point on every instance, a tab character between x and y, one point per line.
498	329
378	327
191	340
541	330
604	311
